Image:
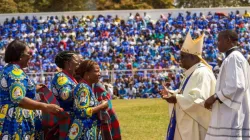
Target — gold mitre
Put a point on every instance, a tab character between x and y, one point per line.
194	47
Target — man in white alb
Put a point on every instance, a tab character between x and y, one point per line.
189	118
231	101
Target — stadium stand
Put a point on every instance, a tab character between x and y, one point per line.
134	50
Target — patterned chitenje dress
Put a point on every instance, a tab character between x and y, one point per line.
35	115
15	122
62	88
86	125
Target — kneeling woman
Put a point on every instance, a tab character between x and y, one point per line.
86	124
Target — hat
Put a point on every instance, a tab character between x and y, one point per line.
194	47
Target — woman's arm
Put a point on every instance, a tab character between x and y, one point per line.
17	96
102	106
82	102
30	104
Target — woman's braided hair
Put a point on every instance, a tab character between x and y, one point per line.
63	57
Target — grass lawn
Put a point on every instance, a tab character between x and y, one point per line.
142	119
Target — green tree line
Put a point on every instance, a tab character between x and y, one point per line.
211	3
24	6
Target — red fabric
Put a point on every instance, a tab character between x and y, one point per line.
113	127
105	34
70	76
16	64
241	25
62	43
83	81
129	66
55	127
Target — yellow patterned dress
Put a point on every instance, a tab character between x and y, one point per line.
15	122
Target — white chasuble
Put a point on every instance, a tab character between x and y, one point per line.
192	118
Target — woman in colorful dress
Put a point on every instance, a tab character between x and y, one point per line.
15	95
62	86
109	123
63	82
86	124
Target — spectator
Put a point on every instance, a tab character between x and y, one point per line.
131	92
121	44
123	93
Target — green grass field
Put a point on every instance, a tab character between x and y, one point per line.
142	119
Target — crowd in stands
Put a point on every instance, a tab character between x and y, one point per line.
131	44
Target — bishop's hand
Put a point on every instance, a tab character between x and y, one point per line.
209	102
170	99
164	91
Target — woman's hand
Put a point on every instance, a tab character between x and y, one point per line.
104	105
39	86
52	108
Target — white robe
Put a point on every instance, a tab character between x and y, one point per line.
191	116
230	120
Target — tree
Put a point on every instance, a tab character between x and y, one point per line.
133	4
160	4
11	6
8	6
66	5
90	5
42	5
210	3
193	3
245	2
25	6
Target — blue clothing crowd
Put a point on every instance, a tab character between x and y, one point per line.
132	44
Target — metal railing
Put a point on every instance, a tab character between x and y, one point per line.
111	75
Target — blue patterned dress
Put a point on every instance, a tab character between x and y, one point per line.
35	115
62	87
15	122
86	125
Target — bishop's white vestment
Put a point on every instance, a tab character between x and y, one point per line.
192	118
230	119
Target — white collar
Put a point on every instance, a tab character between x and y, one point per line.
192	69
